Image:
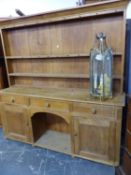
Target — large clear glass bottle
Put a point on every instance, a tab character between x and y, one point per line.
101	68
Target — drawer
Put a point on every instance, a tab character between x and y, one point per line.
91	109
50	104
16	99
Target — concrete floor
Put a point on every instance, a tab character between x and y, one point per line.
22	159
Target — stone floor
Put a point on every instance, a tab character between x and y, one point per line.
22	159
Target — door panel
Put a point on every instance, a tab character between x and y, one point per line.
94	138
15	122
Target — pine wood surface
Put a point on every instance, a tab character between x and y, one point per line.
78	95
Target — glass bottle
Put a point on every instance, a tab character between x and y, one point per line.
101	68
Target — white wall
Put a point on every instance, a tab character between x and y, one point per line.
7	7
128	15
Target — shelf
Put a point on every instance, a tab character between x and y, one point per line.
84	55
47	56
55	141
54	75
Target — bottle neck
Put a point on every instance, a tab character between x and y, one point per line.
102	45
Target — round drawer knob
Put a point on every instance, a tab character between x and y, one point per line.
47	105
12	100
94	111
75	134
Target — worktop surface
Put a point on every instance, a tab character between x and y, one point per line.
78	95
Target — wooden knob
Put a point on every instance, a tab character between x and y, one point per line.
94	111
12	100
75	134
47	105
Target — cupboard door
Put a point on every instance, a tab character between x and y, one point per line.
15	122
94	138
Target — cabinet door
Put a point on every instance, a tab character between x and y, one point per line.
94	138
15	122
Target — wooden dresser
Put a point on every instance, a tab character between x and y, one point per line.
47	62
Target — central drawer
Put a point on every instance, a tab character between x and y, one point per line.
92	109
50	104
15	99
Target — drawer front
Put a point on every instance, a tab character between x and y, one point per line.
16	99
91	109
50	104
